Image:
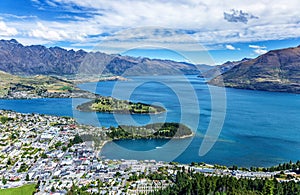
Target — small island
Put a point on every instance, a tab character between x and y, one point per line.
156	131
113	105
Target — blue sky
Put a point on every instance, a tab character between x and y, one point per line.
197	31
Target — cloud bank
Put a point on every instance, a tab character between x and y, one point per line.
7	31
209	23
238	16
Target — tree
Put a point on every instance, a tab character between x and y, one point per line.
77	139
38	184
4	181
234	167
268	188
64	148
52	189
118	174
27	177
193	164
58	144
43	155
9	162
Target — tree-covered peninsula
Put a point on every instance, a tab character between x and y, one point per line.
155	130
113	105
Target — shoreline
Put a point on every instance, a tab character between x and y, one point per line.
99	149
68	95
114	112
76	92
101	79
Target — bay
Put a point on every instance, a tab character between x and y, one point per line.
260	128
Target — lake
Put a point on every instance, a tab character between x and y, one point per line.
260	128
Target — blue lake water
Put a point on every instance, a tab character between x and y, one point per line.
260	128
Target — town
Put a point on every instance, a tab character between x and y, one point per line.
55	154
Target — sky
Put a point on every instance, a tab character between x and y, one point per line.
196	31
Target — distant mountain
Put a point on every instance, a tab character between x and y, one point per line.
204	68
221	69
277	70
36	59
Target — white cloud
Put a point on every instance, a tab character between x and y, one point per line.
238	16
7	31
147	37
204	20
19	17
230	47
184	14
54	34
259	49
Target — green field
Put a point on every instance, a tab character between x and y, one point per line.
34	84
24	190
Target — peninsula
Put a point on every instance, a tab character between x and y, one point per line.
29	87
112	105
155	130
41	86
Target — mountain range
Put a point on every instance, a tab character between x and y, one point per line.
220	69
277	70
40	60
